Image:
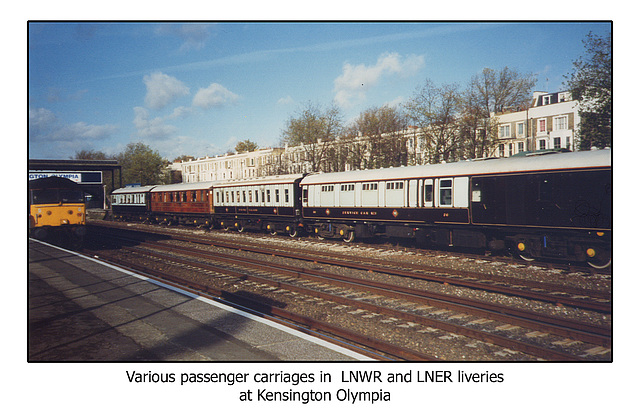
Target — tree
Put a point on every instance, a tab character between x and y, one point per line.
314	129
475	127
381	130
497	91
490	92
434	110
142	165
591	83
246	146
90	155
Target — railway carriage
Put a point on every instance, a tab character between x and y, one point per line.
184	203
270	203
57	210
131	203
539	206
556	206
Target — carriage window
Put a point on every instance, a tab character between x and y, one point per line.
286	195
476	192
277	196
446	191
428	192
268	195
305	195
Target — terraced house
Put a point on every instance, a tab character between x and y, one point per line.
549	123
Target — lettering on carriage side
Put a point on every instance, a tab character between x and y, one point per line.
361	213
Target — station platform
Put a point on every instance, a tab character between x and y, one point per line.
82	309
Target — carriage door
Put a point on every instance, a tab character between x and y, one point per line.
428	193
412	192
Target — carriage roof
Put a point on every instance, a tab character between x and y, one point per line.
532	162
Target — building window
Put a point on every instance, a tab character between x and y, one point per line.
560	122
557	143
520	129
542	145
542	125
501	150
505	131
520	147
546	100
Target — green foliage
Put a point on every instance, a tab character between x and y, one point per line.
591	82
141	164
246	146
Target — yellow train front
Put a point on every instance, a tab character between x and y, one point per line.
57	211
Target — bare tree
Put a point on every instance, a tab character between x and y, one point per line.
475	128
496	91
488	93
382	130
314	129
435	111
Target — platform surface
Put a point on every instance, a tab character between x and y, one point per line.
81	309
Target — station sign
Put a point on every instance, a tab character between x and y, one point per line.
84	178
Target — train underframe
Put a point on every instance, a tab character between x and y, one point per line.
579	246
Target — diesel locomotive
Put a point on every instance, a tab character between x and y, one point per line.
57	211
543	205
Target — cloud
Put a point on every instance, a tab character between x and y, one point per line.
151	128
44	126
180	112
162	90
54	139
193	35
285	100
214	95
356	80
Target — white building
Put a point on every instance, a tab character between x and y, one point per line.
229	166
550	123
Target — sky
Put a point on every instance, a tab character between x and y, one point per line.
198	88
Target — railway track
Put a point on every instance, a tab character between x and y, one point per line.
415	319
555	293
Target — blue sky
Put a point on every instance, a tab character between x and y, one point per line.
199	88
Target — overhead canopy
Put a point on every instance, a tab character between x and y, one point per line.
79	165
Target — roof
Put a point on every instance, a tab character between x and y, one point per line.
533	162
186	186
266	180
133	189
53	182
36	164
